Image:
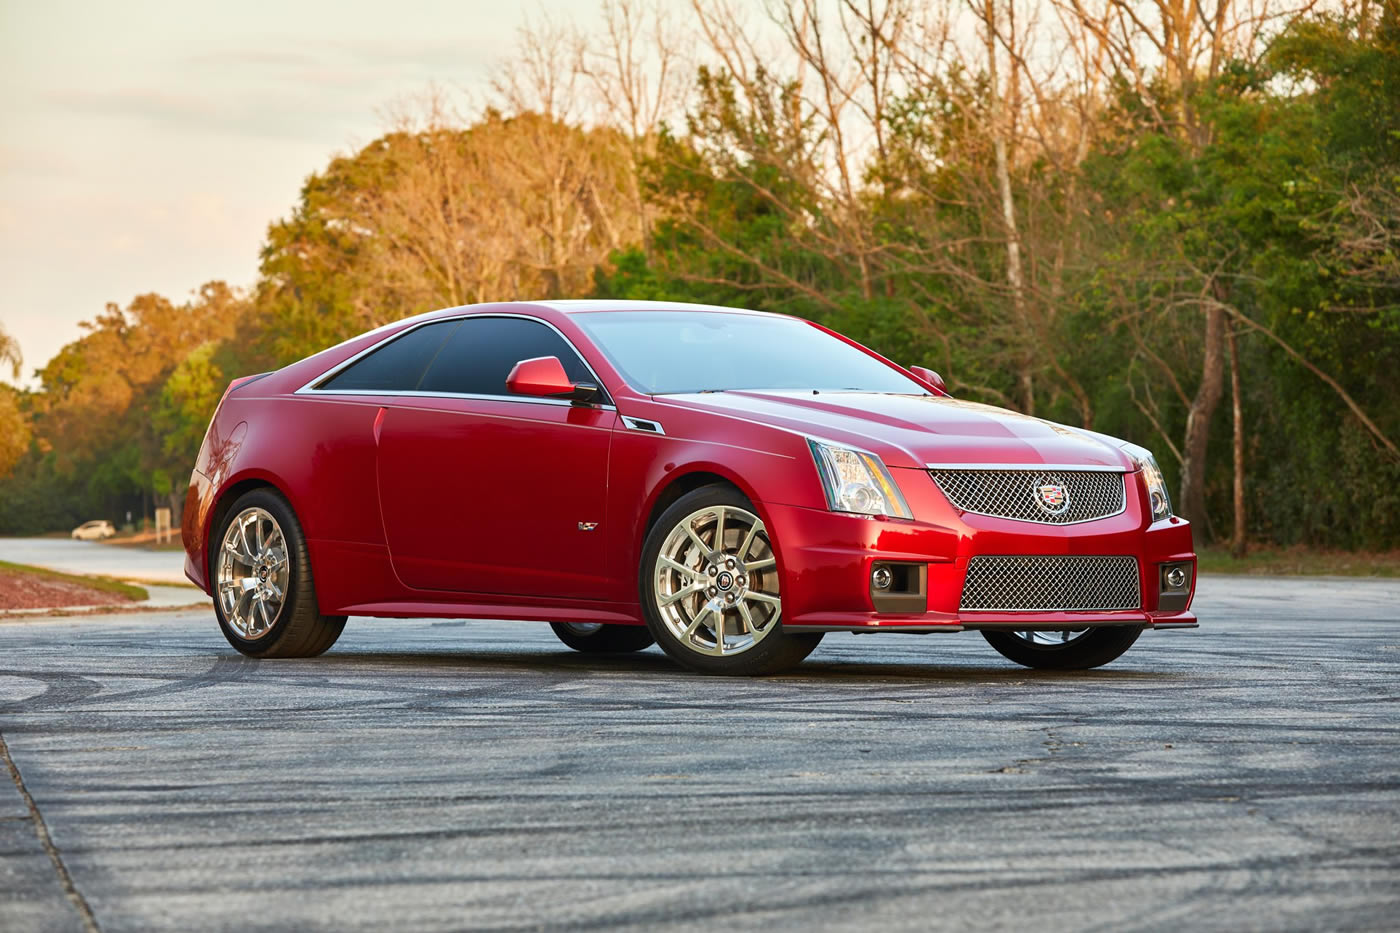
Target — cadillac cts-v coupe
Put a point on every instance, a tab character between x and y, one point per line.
728	484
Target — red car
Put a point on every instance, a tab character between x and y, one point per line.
729	484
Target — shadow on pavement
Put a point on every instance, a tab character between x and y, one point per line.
652	662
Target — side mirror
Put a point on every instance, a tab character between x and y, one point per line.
929	378
544	376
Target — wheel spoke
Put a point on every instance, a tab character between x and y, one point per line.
719	631
747	543
747	616
719	529
245	549
763	598
762	564
678	567
688	590
244	603
699	542
695	621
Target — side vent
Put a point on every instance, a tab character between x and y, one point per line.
641	424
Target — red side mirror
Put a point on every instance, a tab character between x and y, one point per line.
929	378
544	376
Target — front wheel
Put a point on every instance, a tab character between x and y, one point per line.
601	638
1076	650
709	587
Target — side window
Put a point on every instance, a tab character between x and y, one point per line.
480	354
398	365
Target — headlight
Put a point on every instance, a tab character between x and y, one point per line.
856	481
1157	497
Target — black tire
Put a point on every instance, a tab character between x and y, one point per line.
299	629
605	639
776	651
1094	648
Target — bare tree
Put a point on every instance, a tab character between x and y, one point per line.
541	76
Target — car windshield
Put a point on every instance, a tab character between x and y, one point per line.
669	352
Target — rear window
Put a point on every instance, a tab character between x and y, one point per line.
398	365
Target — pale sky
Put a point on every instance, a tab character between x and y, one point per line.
146	145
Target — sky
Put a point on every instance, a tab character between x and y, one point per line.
145	146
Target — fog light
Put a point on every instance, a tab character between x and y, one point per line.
882	578
1174	593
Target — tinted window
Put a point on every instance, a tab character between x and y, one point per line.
480	354
396	366
705	351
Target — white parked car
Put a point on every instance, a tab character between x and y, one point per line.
94	531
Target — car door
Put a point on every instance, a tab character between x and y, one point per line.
348	403
482	491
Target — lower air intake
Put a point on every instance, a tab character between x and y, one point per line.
1051	584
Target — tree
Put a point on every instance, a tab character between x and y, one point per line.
14	427
433	215
9	353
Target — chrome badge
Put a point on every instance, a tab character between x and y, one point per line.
1051	496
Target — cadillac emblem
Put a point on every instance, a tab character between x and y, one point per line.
1051	496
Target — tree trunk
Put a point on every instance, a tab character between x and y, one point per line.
1193	466
1237	542
1014	275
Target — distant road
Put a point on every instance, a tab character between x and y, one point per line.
437	775
89	557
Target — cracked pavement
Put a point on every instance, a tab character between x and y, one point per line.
431	775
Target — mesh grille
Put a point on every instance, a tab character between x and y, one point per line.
1054	497
1048	584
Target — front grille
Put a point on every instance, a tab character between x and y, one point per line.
1049	496
1051	584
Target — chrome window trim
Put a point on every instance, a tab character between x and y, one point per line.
1090	467
311	387
526	399
636	425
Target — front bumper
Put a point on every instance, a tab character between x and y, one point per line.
828	559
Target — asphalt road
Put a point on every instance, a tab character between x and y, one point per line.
431	775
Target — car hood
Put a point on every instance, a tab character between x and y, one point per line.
914	431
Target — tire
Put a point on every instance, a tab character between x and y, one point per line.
1093	647
245	578
600	638
684	579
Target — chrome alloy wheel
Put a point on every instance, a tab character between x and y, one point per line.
716	581
1052	639
252	573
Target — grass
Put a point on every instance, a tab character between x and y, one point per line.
1300	562
101	584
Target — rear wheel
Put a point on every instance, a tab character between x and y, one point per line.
264	596
1076	650
600	638
709	587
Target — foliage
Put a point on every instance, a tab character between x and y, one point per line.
1060	248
